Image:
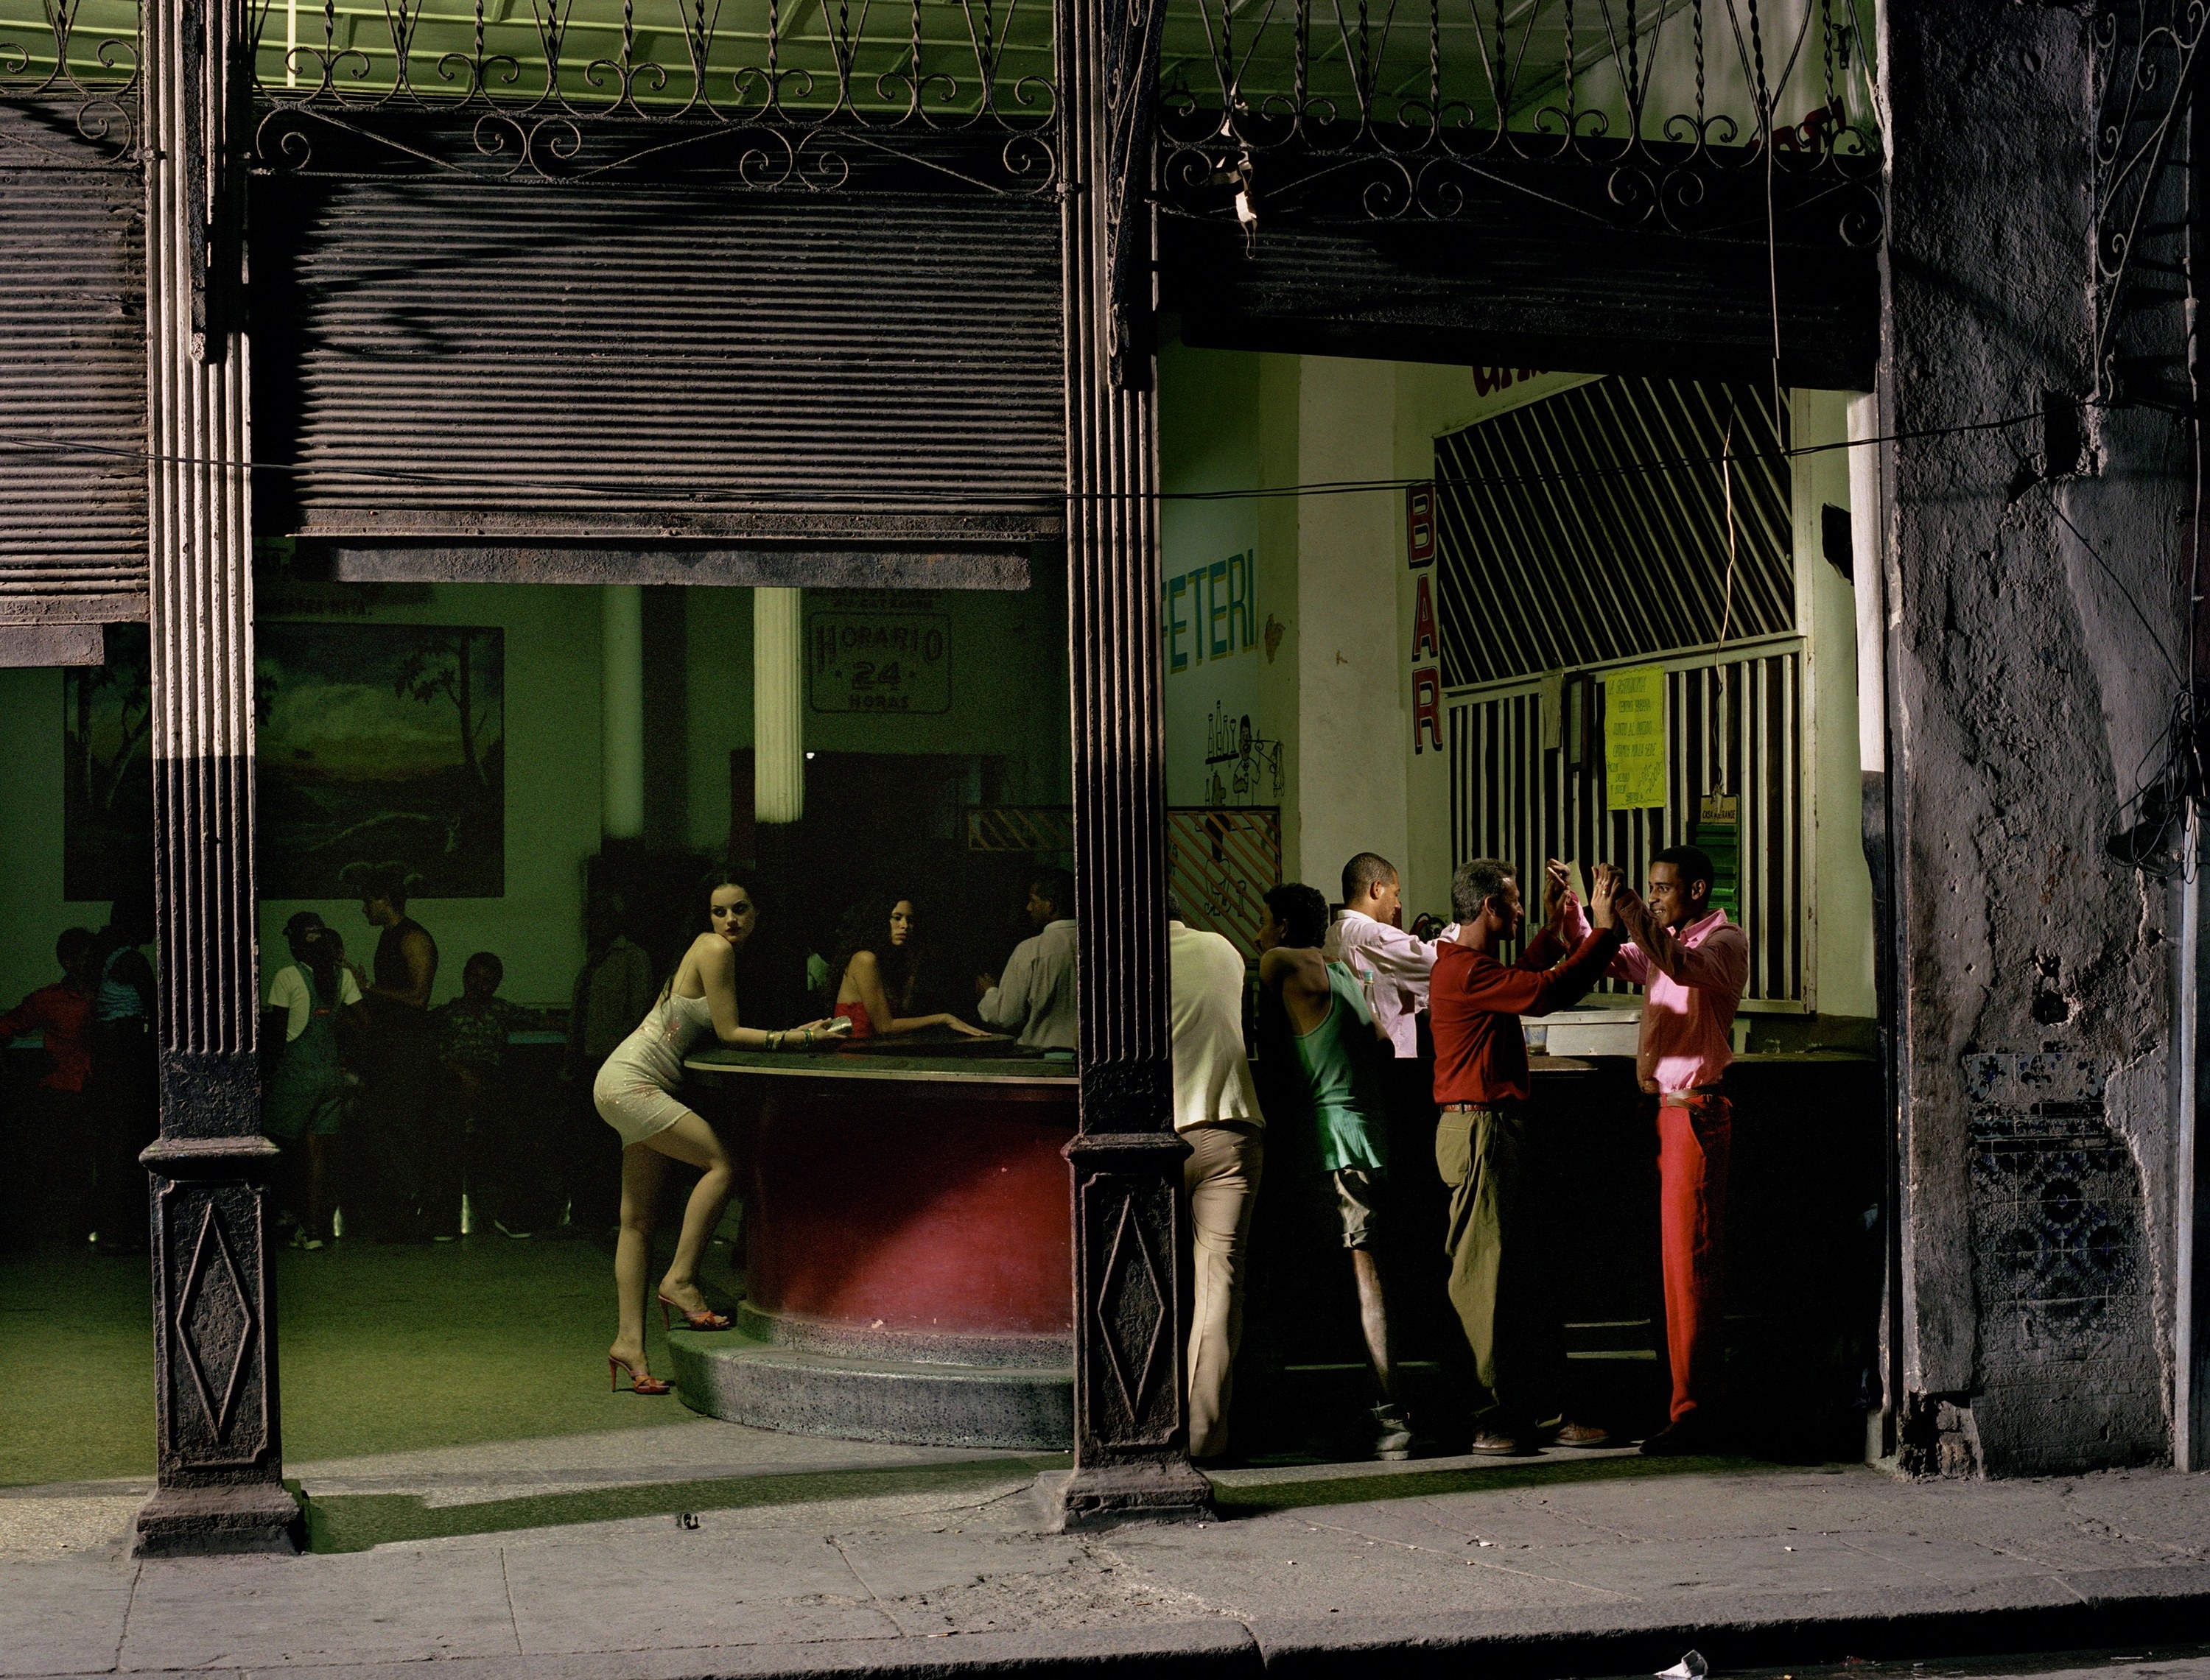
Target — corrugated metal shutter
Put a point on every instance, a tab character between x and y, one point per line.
72	372
1513	798
514	362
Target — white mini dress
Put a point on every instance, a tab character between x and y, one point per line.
635	1091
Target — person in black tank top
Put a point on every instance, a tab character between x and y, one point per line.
403	1196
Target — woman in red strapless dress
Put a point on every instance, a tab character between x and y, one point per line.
877	965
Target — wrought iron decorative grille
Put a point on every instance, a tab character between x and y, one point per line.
2145	59
68	83
1750	117
810	94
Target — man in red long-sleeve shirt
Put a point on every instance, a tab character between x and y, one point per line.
1484	1143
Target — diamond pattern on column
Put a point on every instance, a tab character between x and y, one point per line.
212	1307
1131	1309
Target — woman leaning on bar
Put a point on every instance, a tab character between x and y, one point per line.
635	1093
877	971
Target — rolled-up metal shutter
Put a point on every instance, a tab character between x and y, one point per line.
72	373
451	363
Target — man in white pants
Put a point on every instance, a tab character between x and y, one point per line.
1216	1113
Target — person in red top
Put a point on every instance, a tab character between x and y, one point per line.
62	1013
1692	964
1485	1145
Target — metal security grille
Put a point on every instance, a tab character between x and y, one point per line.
450	360
1513	798
1223	862
72	372
1563	542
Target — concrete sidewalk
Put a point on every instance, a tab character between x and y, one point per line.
704	1549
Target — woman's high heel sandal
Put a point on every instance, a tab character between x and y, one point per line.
637	1385
704	1319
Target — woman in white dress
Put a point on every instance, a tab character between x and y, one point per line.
635	1094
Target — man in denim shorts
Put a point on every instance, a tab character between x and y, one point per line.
1336	1068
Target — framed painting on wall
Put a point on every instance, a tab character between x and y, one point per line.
379	744
107	778
382	743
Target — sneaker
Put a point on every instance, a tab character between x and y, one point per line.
518	1236
1496	1444
301	1241
1570	1434
445	1236
1392	1437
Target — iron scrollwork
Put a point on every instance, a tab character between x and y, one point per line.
69	84
806	94
1742	118
2145	55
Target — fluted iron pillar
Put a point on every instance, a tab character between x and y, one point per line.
1132	1275
219	1464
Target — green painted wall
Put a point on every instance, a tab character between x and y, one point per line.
32	911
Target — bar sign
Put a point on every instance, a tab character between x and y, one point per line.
1420	523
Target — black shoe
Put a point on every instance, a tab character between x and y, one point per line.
1683	1437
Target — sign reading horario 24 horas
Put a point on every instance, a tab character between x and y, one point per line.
879	661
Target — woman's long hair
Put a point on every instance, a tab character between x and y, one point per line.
713	883
866	927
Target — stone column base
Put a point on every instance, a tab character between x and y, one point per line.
201	1522
1110	1495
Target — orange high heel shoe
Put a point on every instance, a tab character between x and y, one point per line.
703	1319
637	1385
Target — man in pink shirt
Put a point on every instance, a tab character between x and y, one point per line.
1692	964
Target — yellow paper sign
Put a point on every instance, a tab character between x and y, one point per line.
1635	738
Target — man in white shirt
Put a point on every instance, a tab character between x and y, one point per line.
1216	1113
1034	999
1392	968
1391	965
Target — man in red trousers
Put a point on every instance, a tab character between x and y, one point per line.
1692	963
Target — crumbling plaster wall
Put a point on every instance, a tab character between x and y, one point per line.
2026	690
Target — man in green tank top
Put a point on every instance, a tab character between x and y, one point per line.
1338	1072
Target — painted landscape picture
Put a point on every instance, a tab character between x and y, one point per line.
382	743
107	776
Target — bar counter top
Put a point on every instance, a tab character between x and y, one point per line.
989	1062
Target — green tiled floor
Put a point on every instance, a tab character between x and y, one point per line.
380	1349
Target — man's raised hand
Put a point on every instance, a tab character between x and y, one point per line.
1600	894
1556	885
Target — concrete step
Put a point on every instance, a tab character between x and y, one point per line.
728	1375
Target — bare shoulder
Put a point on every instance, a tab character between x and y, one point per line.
865	962
713	954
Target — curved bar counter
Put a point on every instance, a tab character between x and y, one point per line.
908	1246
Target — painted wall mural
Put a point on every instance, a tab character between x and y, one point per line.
1241	767
107	779
379	744
382	743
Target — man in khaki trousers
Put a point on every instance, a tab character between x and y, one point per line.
1216	1113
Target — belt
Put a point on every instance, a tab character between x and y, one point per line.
1700	1096
1480	1108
